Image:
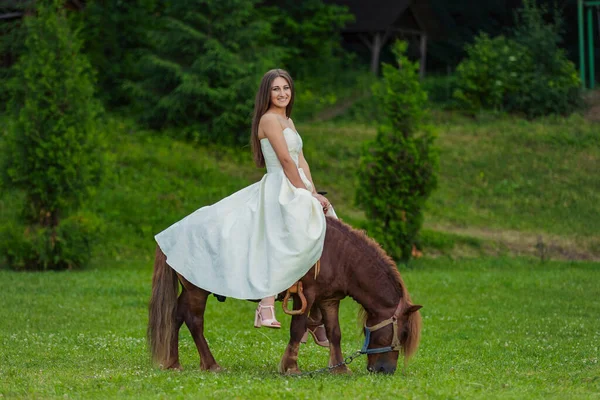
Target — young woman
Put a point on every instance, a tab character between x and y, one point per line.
258	241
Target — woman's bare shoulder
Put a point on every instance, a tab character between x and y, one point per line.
269	123
291	122
269	118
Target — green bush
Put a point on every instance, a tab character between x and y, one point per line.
37	247
397	171
52	147
526	72
492	71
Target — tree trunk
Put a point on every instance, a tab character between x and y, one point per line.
423	55
375	52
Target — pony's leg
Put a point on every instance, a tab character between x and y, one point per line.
289	361
330	309
193	315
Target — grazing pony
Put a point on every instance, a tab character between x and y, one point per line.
352	265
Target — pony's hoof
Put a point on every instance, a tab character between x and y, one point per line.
289	370
212	368
215	368
292	371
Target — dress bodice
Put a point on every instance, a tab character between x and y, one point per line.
294	143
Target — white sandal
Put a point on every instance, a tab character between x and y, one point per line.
269	323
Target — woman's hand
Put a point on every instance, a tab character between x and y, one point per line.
323	200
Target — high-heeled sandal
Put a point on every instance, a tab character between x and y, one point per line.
313	332
269	323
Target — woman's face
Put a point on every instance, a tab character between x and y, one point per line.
281	92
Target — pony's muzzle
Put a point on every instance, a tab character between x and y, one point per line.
382	368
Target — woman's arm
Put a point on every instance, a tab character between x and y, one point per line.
273	132
302	163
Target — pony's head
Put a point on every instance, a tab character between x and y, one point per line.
393	323
400	333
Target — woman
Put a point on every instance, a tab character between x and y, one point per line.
260	240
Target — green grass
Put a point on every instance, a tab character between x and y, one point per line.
493	328
511	173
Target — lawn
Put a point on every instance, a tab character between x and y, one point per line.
495	325
493	328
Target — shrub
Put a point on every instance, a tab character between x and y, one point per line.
52	149
490	73
397	170
38	247
551	84
525	72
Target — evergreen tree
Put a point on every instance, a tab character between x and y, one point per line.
397	171
52	148
203	69
12	39
113	31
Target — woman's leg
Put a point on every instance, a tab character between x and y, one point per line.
265	313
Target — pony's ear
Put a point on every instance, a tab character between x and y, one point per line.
412	309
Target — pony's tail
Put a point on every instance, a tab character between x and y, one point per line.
162	310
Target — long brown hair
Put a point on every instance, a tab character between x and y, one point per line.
262	104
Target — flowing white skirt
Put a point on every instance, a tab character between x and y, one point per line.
253	244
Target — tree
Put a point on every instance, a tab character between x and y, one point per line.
203	68
397	171
526	72
113	31
52	150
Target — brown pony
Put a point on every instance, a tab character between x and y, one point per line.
352	265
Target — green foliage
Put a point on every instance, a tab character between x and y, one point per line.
440	90
52	149
310	31
37	247
12	39
203	69
324	72
491	72
113	31
526	72
552	84
397	170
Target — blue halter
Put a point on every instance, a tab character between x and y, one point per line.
395	346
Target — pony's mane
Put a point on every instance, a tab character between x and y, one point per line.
367	245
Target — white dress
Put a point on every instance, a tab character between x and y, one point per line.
256	242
